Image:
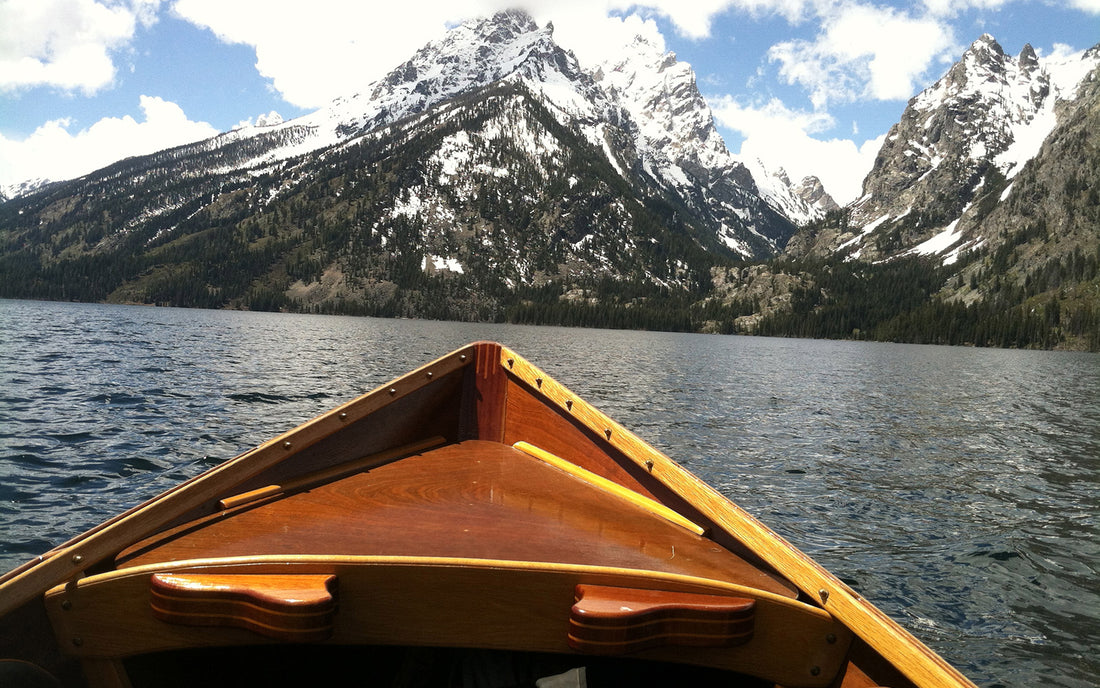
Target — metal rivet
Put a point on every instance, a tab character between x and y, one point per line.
287	445
429	374
815	670
343	415
66	604
831	638
649	464
462	357
824	595
77	642
392	391
78	559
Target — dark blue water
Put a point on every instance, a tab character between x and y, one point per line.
958	489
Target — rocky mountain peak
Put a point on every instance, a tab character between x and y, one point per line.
813	192
1027	61
680	147
962	139
504	26
985	45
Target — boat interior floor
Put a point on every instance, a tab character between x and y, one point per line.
413	667
470	500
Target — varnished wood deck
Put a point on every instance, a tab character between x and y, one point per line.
472	500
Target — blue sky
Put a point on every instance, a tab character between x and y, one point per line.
811	85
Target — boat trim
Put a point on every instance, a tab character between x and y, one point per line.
602	483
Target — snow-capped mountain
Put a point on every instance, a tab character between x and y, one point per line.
487	164
22	189
962	140
680	148
803	202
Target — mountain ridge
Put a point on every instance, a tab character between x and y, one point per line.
490	177
975	128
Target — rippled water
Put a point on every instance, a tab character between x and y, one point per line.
956	488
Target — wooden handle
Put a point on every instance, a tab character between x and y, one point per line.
293	608
614	621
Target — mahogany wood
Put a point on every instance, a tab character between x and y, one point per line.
484	395
529	419
292	608
612	488
329	474
615	621
474	499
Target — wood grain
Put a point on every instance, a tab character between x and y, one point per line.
291	608
617	621
474	499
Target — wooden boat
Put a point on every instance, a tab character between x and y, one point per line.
472	523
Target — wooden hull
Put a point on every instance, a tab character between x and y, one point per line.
471	518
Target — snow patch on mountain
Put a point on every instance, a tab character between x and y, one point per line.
990	113
802	202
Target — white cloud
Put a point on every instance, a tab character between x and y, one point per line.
865	52
950	8
783	137
315	52
66	44
53	152
1091	6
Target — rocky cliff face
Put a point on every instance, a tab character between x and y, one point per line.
1042	233
955	150
679	147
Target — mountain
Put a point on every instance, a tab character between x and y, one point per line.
978	222
488	172
957	148
803	202
490	177
680	148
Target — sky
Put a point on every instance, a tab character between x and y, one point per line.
812	86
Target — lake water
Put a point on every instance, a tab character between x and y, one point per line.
958	489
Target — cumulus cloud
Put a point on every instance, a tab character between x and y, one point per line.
1090	6
865	52
66	44
949	8
315	52
54	152
788	138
